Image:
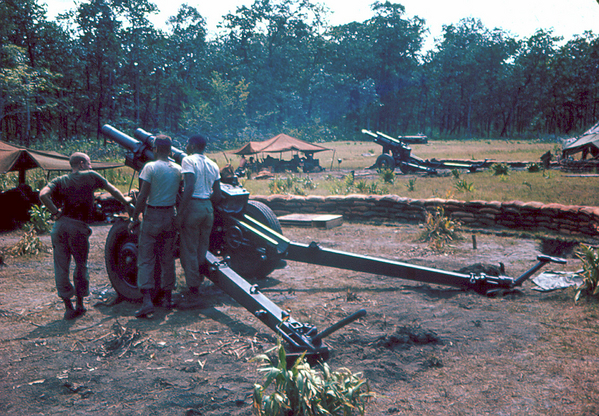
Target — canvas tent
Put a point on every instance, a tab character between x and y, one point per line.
587	143
278	144
20	159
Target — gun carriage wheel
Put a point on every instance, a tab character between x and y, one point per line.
248	255
121	260
385	161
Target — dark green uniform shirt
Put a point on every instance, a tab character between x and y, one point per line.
75	192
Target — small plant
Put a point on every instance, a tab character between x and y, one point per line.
534	167
336	188
29	244
387	176
440	230
308	183
276	186
289	182
500	169
411	185
281	185
350	179
590	271
374	189
362	187
301	390
456	173
462	186
39	219
299	191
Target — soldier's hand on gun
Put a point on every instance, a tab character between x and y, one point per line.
133	224
130	209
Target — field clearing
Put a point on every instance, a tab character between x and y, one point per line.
552	186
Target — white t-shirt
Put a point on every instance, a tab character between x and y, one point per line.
164	179
206	172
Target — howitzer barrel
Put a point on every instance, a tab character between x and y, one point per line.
148	138
142	152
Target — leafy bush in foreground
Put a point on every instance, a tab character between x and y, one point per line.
303	391
590	271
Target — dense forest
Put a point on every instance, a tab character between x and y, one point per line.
277	66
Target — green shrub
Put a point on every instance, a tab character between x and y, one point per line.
440	230
278	186
534	167
462	186
590	271
39	219
362	187
456	173
374	189
336	188
299	191
411	185
500	169
350	179
303	391
387	176
308	183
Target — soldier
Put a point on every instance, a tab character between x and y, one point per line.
160	181
70	235
195	215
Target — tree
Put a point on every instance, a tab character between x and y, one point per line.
27	85
277	48
383	52
468	75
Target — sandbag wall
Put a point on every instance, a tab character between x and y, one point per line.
580	166
530	216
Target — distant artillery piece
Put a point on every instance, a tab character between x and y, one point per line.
397	154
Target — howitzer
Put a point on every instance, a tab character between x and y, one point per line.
247	243
397	154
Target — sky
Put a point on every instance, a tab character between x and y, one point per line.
521	18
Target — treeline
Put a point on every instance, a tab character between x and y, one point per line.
278	66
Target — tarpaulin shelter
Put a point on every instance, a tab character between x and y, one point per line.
587	143
278	144
20	159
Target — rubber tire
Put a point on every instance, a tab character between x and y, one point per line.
122	269
249	263
262	213
385	161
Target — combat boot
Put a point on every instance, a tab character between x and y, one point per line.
80	309
69	312
191	300
147	307
167	300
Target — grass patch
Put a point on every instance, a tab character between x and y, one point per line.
519	185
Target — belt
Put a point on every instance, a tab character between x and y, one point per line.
165	207
200	199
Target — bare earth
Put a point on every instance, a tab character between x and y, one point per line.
425	349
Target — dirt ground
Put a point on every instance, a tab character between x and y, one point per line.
425	349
